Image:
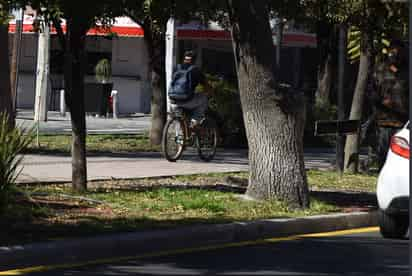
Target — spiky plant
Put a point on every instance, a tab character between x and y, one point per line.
12	142
103	71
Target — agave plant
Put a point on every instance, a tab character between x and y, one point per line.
12	142
103	71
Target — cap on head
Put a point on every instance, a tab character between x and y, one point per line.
189	56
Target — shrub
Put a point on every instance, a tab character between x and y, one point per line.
317	112
225	105
12	142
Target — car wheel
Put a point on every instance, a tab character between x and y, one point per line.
393	226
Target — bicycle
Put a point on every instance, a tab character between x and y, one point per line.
177	135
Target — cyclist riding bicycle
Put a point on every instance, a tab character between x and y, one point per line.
186	77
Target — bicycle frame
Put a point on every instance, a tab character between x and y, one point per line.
182	115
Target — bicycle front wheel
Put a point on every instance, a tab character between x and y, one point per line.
173	139
206	140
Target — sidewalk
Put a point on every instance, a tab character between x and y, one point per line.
57	168
131	124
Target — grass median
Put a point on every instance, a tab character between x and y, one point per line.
50	212
95	143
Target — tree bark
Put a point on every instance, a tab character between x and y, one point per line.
156	49
158	108
6	104
274	118
352	145
327	44
14	64
74	93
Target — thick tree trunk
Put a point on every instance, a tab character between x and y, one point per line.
6	105
74	88
352	141
274	119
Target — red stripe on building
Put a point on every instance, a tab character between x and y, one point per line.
120	30
225	35
203	34
290	38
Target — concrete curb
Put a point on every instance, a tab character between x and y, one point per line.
132	244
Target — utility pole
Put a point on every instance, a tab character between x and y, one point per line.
15	58
340	138
170	55
42	74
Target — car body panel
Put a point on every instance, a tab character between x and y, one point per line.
393	180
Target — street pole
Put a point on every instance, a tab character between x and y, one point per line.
170	55
340	139
15	58
42	74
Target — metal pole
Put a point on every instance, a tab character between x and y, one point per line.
170	55
115	102
340	139
62	104
42	75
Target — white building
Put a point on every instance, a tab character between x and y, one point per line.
124	45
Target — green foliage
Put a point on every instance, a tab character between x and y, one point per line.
4	12
12	142
324	111
103	71
225	102
320	111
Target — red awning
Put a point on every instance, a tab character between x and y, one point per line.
123	26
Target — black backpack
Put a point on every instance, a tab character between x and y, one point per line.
181	88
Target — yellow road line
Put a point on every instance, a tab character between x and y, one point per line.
43	268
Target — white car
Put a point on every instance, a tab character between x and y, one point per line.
393	187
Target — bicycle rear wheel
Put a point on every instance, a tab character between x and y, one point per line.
173	139
206	140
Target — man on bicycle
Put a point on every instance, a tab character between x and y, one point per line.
187	76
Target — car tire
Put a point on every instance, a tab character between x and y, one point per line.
393	226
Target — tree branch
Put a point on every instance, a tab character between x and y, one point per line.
60	33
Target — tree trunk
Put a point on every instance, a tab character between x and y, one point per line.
74	92
15	60
155	46
352	141
158	108
274	118
324	81
6	105
326	39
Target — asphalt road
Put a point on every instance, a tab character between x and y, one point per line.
334	254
